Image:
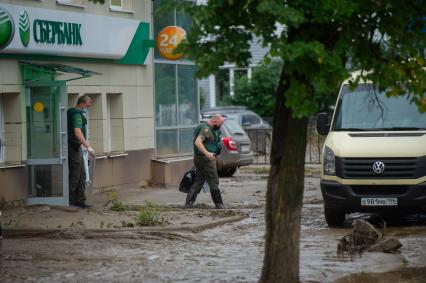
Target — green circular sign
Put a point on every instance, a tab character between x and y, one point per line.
7	28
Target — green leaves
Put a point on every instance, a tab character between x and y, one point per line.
258	93
319	43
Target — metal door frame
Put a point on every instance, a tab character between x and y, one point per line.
63	144
2	136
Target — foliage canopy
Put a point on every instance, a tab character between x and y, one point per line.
258	92
318	41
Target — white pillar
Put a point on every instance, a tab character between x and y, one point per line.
212	90
231	81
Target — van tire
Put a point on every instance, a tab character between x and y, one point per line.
334	218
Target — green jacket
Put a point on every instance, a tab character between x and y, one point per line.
75	119
211	138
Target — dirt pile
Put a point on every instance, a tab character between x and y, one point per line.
365	237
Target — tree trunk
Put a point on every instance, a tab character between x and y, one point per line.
284	193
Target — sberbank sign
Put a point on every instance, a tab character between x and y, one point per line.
7	28
52	32
44	31
29	32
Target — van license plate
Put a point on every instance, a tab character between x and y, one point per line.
379	201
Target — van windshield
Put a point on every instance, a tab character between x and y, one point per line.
367	109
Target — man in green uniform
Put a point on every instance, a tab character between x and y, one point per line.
77	133
206	146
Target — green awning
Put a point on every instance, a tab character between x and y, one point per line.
61	69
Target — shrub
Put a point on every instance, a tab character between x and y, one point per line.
148	215
116	204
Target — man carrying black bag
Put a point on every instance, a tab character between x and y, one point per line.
206	146
187	180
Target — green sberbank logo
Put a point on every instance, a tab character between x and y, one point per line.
24	28
7	28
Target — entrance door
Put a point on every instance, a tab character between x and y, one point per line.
47	155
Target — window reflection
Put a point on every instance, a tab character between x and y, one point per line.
176	97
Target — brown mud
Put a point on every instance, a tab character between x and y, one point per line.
231	251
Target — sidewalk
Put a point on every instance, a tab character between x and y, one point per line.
246	190
167	205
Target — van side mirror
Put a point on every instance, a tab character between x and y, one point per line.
323	126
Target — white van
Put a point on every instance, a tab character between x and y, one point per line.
374	156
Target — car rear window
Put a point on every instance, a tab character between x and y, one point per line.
234	127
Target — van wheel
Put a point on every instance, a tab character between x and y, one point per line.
334	218
227	172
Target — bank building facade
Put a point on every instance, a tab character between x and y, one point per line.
145	101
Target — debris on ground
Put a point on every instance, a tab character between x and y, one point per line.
366	237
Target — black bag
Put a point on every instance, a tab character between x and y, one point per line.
187	180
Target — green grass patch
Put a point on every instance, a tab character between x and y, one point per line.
116	204
148	215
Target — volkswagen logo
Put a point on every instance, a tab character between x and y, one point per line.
378	167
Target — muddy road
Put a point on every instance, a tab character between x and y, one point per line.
229	253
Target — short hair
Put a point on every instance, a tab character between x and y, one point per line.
217	117
84	99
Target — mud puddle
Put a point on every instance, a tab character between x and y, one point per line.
231	252
414	275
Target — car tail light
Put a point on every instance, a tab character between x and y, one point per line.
229	143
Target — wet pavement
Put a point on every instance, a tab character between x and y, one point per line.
229	253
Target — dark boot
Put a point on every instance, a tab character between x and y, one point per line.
190	199
217	197
189	204
219	206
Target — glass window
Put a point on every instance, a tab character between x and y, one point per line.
222	85
367	108
233	127
176	97
166	142
42	118
45	181
122	5
71	2
183	20
250	120
187	90
169	94
185	140
162	19
165	95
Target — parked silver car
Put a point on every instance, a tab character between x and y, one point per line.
236	148
259	131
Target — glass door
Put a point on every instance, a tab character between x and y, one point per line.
47	157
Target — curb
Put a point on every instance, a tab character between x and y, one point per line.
130	233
